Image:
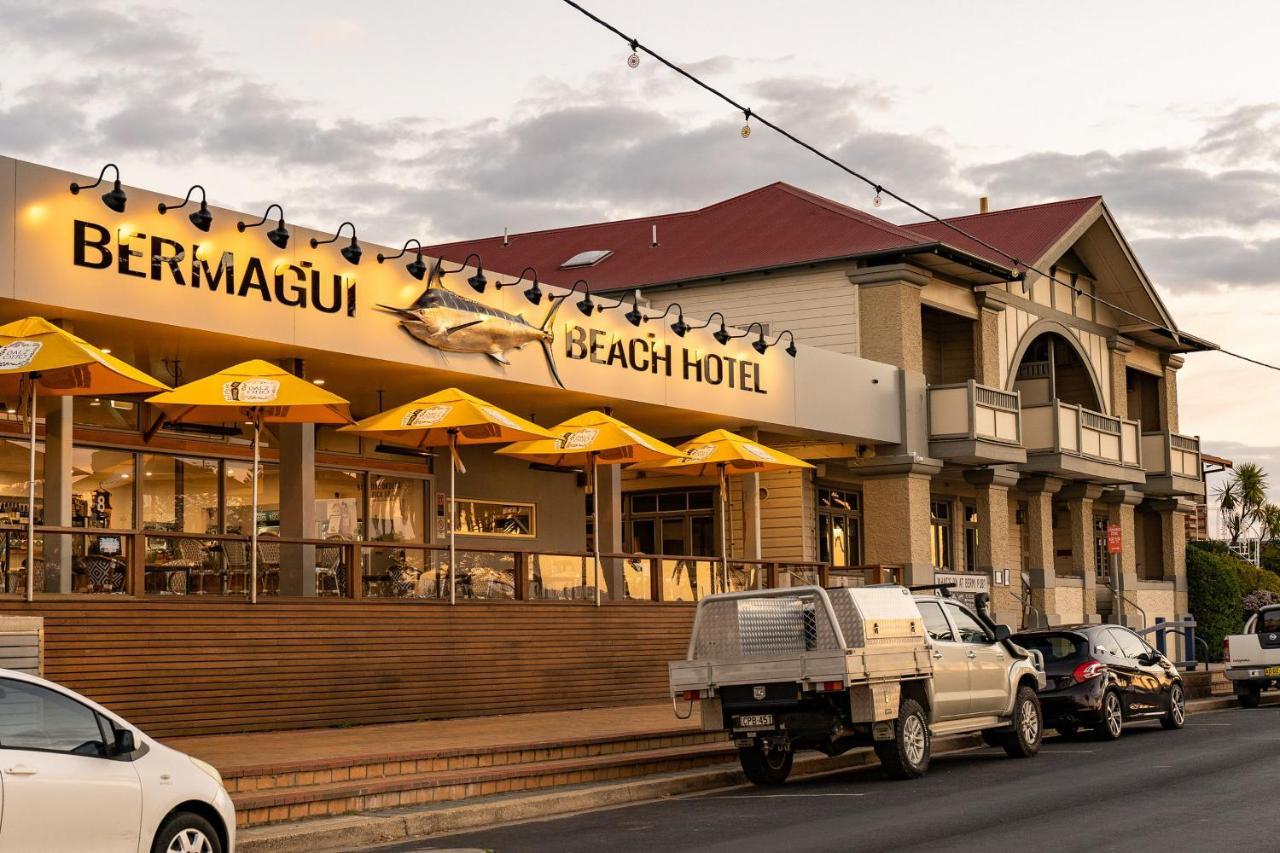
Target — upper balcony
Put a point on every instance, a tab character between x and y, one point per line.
1172	463
1070	441
974	424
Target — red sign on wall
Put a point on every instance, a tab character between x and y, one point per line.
1113	539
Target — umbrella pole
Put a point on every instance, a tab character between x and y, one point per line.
453	551
724	530
595	521
31	500
253	519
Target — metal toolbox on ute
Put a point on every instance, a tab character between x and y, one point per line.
866	638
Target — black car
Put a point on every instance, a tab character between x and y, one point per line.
1103	676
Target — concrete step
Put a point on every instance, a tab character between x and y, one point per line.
438	779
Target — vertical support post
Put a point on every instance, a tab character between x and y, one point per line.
355	571
595	521
453	512
56	503
297	508
724	528
253	513
1160	643
31	497
136	580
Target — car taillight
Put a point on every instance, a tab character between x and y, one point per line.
1087	670
830	686
691	695
1226	650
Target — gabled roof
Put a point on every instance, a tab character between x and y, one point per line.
1024	232
774	226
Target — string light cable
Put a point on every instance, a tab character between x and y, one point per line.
638	47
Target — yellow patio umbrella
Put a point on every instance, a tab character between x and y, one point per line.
258	392
38	357
722	453
588	440
448	418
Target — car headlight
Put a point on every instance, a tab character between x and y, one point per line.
207	768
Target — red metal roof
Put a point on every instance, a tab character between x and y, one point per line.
774	226
1024	232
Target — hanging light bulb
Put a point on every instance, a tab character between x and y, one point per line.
634	59
746	126
877	200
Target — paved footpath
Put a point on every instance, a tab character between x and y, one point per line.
1210	787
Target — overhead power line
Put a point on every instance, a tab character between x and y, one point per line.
751	115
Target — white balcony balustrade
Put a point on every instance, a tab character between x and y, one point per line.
1172	463
1071	440
975	424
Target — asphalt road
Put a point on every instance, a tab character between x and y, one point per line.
1210	787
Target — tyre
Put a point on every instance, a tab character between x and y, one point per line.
1176	716
185	832
907	755
764	766
1067	730
1111	725
1249	697
1024	740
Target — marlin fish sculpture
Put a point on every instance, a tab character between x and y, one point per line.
442	319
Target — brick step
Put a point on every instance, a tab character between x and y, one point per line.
406	789
290	775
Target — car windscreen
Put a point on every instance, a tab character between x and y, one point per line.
1055	647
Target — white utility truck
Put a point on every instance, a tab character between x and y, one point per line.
1253	658
831	669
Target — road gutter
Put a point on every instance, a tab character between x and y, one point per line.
346	832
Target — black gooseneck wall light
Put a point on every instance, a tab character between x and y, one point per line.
279	236
635	317
533	293
477	281
791	346
680	327
352	252
721	335
113	198
586	304
416	267
201	218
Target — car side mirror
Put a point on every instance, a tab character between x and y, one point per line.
1002	633
125	743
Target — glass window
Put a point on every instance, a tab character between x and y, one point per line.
839	527
679	522
106	413
397	509
14	469
1055	647
1128	642
940	529
238	487
180	493
970	538
1101	557
35	717
969	628
339	509
496	518
1269	621
935	622
102	491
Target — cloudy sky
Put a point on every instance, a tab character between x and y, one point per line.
447	119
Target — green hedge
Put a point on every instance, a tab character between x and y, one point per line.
1216	593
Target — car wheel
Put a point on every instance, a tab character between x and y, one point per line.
1112	723
907	755
765	766
1028	730
1176	717
186	833
1251	697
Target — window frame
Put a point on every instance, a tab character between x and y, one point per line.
94	713
458	501
851	517
976	621
945	618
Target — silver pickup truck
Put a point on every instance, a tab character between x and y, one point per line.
1253	658
808	668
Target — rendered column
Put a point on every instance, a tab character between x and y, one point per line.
1080	498
1119	380
891	295
996	554
609	536
1120	505
297	507
1039	492
58	488
895	523
986	340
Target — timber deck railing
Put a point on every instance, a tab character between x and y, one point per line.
88	562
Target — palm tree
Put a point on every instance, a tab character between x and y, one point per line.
1270	523
1243	502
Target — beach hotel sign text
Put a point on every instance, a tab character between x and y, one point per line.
73	257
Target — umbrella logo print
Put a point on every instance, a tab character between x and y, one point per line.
758	452
425	417
702	452
250	391
578	439
18	354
